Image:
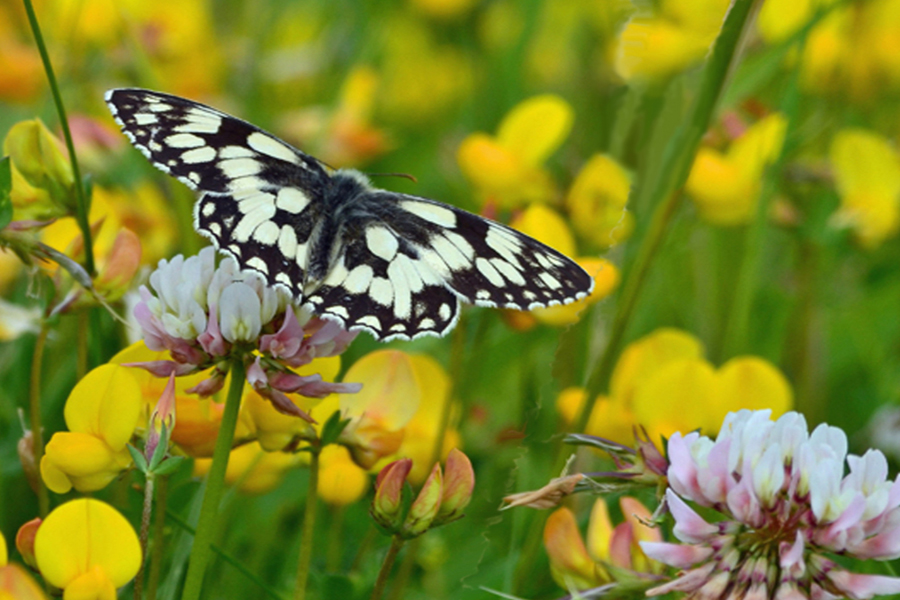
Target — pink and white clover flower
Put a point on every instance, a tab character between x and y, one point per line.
787	503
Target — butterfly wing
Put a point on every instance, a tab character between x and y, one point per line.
405	267
261	196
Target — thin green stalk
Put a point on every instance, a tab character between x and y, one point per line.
215	483
309	526
404	572
81	208
34	405
159	528
146	513
457	354
386	566
674	169
333	553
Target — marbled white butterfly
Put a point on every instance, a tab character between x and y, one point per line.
393	264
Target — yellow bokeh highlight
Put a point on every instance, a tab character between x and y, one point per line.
89	546
596	202
725	186
341	481
252	469
867	177
507	168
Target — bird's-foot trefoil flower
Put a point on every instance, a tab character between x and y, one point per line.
786	500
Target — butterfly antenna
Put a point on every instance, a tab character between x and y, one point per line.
404	175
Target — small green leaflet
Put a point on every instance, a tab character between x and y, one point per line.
6	208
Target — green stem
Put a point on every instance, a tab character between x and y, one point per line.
159	528
675	167
404	572
457	352
215	483
386	566
309	525
333	553
34	401
145	534
81	209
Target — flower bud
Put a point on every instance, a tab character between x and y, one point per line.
15	582
426	505
25	541
389	493
459	481
37	158
25	448
163	414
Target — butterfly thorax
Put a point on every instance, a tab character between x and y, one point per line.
345	216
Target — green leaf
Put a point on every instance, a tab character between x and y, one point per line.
333	428
138	458
6	208
169	466
159	453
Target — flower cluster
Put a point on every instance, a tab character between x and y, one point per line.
204	315
785	501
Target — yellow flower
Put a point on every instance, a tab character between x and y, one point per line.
663	383
389	398
397	413
101	413
341	481
656	45
17	584
867	177
507	169
580	566
86	548
725	187
252	469
596	202
23	75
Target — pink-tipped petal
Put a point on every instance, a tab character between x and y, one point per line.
861	587
680	556
689	526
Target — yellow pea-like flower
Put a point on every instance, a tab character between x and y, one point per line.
341	481
101	413
88	549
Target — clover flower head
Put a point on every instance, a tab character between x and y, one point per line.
203	314
786	501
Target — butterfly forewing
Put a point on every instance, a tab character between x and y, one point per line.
392	264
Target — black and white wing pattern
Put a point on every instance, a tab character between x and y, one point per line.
392	264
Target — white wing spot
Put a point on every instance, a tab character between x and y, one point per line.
235	249
240	167
503	244
511	273
195	177
215	229
543	260
449	253
551	281
251	221
235	152
291	200
461	243
145	118
485	267
284	278
483	295
208	209
287	241
267	233
185	140
370	320
260	200
338	311
255	262
403	269
382	242
157	106
444	312
426	323
199	155
200	122
335	277
381	291
433	213
270	147
359	279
